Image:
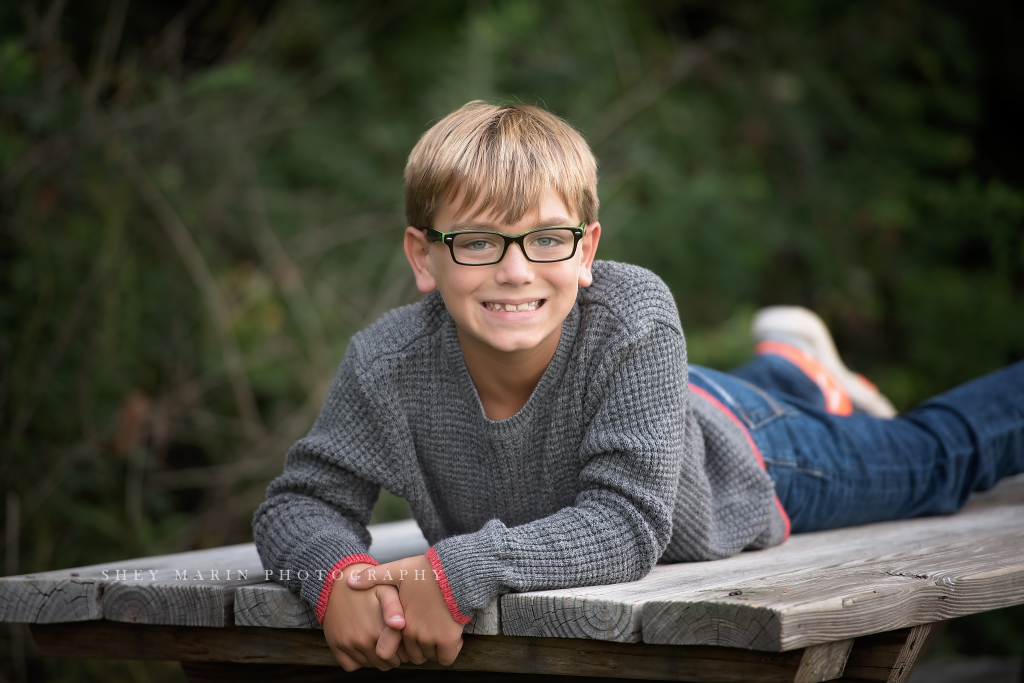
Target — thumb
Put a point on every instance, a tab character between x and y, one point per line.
391	607
369	577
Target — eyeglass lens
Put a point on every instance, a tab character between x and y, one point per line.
556	244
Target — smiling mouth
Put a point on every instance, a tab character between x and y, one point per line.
512	308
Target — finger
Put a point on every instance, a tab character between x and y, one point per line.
372	576
391	607
416	655
403	654
429	651
369	653
446	654
358	657
347	663
382	664
388	644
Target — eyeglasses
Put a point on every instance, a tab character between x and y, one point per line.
480	248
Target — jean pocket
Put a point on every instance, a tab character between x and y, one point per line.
748	402
794	466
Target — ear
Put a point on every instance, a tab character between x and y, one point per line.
588	249
417	251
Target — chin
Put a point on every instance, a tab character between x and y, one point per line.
517	343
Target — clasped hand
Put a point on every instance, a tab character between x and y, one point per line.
390	614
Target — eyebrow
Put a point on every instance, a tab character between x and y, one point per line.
555	221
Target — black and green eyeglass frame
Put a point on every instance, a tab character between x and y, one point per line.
448	238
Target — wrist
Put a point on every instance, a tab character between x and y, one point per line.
358	561
445	588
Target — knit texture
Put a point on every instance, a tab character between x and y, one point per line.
604	471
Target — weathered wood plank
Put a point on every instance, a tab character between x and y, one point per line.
627	612
194	589
798	609
155	590
39	600
273	606
104	639
814	589
77	594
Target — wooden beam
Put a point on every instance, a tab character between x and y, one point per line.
886	657
229	672
533	656
823	662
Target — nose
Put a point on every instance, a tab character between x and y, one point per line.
514	269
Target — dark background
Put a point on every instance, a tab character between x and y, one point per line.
200	202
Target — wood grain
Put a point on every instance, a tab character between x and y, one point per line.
39	600
828	603
273	606
817	588
531	656
866	574
155	590
193	589
486	622
78	594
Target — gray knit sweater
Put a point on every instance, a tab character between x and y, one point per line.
611	466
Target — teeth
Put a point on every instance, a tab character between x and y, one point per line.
511	308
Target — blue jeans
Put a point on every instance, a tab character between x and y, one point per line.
833	471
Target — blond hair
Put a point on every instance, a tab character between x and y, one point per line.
507	156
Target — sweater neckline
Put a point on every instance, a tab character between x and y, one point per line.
553	372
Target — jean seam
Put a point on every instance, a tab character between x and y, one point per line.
777	410
792	465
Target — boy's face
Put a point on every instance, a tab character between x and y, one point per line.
477	296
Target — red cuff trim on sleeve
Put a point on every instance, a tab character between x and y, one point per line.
446	590
335	573
757	451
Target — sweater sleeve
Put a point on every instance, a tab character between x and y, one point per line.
621	520
313	522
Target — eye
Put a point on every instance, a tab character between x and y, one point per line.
477	245
547	240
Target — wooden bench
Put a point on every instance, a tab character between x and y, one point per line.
850	604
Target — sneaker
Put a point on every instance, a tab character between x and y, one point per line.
801	337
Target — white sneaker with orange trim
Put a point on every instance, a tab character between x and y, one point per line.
801	337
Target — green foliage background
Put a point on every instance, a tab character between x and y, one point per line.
200	206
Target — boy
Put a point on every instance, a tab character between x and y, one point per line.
537	412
